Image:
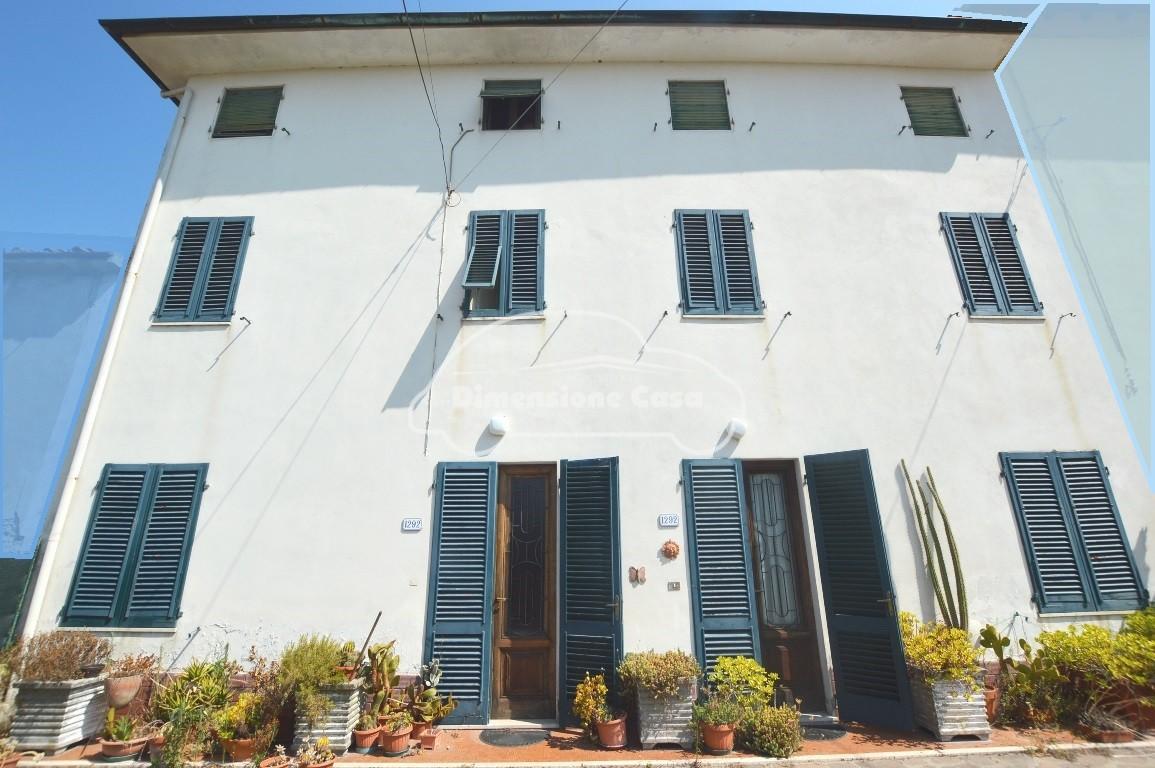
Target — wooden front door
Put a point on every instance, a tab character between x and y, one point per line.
523	606
781	581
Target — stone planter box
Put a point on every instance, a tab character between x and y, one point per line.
52	716
338	725
950	709
667	721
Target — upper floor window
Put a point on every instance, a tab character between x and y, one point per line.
933	111
989	264
248	112
206	266
132	562
716	266
1072	536
503	270
511	105
699	105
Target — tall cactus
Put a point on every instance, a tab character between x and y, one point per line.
954	612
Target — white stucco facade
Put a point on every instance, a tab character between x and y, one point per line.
323	420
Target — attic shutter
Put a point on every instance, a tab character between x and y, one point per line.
698	105
1007	260
501	89
590	594
933	111
525	261
720	576
167	540
966	244
486	240
740	278
224	268
100	569
459	619
176	299
1109	557
1045	532
248	112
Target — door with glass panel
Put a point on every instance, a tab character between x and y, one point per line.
789	643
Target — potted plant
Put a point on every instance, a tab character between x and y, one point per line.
715	720
315	754
747	684
125	676
279	759
326	703
347	660
237	726
591	707
664	686
426	705
190	704
1099	723
365	734
9	757
772	731
395	731
945	671
124	738
56	705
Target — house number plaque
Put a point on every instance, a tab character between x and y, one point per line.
411	524
669	521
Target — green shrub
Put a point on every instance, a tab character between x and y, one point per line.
190	703
660	674
935	651
59	655
772	731
744	681
1140	623
308	665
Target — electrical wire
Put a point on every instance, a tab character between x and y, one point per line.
428	58
533	103
425	87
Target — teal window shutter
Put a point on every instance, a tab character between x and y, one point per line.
591	581
933	111
1071	532
205	270
721	581
248	112
135	554
698	105
989	264
504	270
459	616
717	270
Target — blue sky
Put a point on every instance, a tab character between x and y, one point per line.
81	127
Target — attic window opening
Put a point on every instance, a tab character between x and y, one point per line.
511	105
248	112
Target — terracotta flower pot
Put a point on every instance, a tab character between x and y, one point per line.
120	691
240	750
117	751
363	741
348	670
1112	736
991	697
419	728
274	761
429	738
396	743
718	739
10	761
612	734
326	764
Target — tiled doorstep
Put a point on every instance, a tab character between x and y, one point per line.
704	761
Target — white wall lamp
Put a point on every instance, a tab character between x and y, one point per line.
498	425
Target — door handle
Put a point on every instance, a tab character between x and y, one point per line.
497	601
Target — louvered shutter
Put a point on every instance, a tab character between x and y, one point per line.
177	299
590	594
720	575
527	230
933	111
700	283
100	570
858	594
459	618
970	260
504	89
739	273
222	273
168	528
1018	294
486	242
248	112
1109	557
698	105
1045	533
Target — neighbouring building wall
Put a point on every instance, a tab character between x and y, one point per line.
323	415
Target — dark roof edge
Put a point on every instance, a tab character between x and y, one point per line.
178	24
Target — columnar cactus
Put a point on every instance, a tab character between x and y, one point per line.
952	603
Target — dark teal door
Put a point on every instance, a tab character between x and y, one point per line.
591	581
459	618
870	679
